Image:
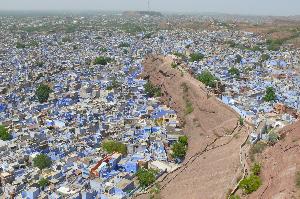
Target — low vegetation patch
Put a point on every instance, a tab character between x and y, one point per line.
180	55
151	90
235	197
114	85
257	148
188	107
256	168
274	44
273	138
155	192
298	179
250	184
174	65
241	121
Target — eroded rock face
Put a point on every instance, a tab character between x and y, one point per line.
280	163
212	162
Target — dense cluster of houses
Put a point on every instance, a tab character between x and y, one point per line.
90	102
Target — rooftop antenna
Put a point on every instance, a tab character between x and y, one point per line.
148	5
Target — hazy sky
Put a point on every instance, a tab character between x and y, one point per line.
254	7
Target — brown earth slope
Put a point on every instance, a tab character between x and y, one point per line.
212	165
280	165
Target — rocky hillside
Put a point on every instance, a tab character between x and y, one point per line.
212	165
280	164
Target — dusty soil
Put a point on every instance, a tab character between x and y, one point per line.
275	29
280	164
212	164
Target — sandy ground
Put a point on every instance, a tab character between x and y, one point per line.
212	164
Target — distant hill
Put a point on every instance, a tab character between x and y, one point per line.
142	13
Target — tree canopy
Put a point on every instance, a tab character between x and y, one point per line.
4	134
124	45
102	60
270	94
112	146
42	161
179	148
234	72
196	57
183	140
207	78
43	182
20	45
43	92
146	176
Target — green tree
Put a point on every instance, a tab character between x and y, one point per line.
102	60
112	146
42	161
196	57
270	94
234	72
4	134
43	182
42	93
183	140
103	50
250	184
179	150
146	176
124	45
256	168
207	78
20	45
